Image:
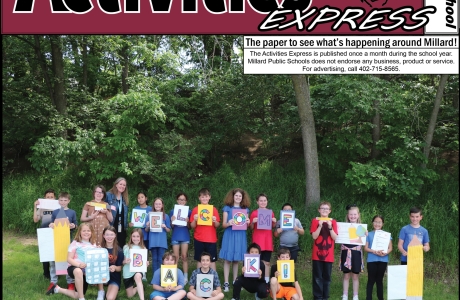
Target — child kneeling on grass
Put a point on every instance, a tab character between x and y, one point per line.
84	237
168	292
205	269
255	285
136	241
284	290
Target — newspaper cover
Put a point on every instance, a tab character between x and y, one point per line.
81	49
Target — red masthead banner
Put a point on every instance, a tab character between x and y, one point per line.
288	17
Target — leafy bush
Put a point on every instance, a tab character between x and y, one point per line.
129	139
395	176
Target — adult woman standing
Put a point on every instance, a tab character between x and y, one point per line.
117	198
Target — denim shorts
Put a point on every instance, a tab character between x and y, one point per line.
161	294
113	282
179	242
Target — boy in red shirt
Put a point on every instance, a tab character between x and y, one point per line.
205	237
324	232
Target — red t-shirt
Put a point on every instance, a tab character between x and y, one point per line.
323	246
202	233
263	237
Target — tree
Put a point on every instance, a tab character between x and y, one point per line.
307	125
434	116
376	122
58	69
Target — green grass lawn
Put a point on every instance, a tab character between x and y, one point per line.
22	276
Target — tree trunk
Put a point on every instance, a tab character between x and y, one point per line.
434	116
59	80
375	130
124	73
307	124
73	40
84	54
455	95
42	62
375	127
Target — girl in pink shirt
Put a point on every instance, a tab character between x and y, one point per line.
263	237
84	238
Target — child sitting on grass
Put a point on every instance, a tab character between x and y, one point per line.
205	269
284	290
168	292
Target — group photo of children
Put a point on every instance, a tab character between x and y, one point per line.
259	247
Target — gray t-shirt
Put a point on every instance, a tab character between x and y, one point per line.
289	238
45	215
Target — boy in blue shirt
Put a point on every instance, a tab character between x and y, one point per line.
168	292
409	231
64	199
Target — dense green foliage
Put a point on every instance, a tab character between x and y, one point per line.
159	108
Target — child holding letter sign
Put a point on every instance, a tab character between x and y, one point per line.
168	292
289	238
263	237
136	241
158	241
234	242
287	290
205	237
142	200
181	235
255	285
205	268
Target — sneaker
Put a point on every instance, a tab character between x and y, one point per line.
344	297
226	285
144	276
355	297
185	281
50	289
71	286
56	289
100	295
257	298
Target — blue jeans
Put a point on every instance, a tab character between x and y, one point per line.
54	277
157	257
